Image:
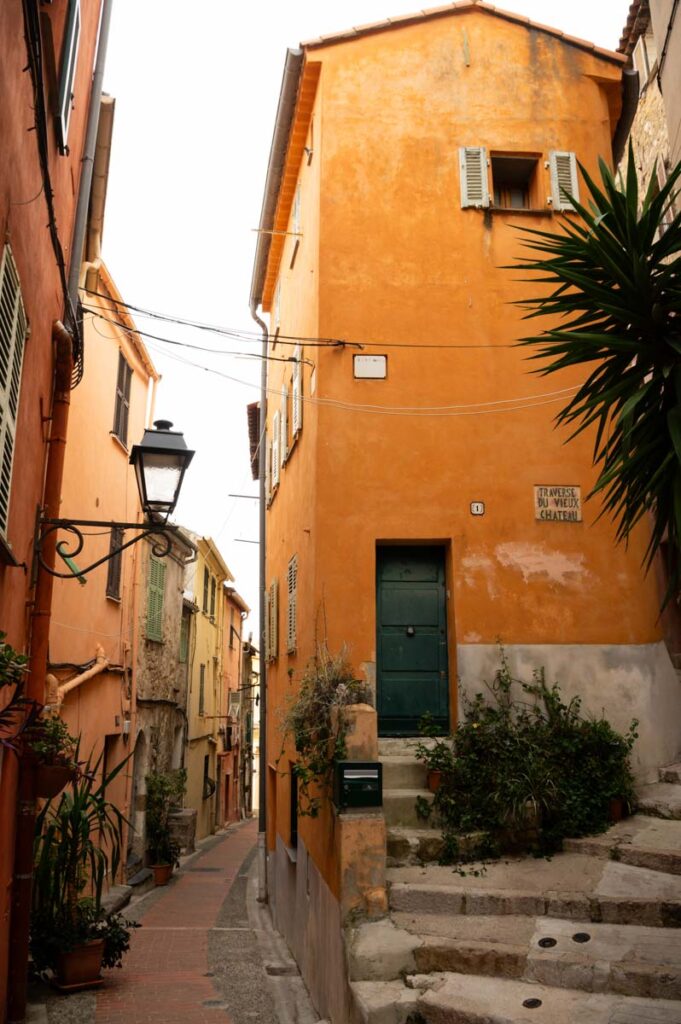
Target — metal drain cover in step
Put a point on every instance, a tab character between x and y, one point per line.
531	1004
547	943
581	937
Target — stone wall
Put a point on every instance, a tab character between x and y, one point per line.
648	134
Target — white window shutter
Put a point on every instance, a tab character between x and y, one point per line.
297	395
474	179
13	333
266	627
563	168
275	448
276	306
295	216
274	618
292	613
283	426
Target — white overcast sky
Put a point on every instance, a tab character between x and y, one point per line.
196	88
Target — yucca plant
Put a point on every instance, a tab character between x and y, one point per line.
78	845
614	278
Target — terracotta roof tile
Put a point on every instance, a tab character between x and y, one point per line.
459	7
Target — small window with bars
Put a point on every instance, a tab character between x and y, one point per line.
292	606
122	404
13	333
155	598
113	579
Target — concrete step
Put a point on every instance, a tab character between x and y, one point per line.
401	746
403	772
399	807
460	999
641	841
660	799
412	846
670	773
570	885
624	959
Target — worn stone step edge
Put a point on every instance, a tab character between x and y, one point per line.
575	906
653	858
422	846
670	773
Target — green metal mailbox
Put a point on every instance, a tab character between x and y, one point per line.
358	784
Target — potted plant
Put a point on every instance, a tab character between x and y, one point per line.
77	847
49	745
17	712
164	792
437	756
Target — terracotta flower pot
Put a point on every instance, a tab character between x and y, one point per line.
162	873
80	968
50	779
434	779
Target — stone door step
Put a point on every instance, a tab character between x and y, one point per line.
660	799
452	998
399	806
670	773
625	960
401	745
413	846
403	772
641	841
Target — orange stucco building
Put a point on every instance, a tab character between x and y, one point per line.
421	505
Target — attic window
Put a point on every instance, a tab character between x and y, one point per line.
514	180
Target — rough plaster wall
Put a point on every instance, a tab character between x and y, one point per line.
308	916
620	681
648	134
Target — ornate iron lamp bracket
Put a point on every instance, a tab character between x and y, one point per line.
69	549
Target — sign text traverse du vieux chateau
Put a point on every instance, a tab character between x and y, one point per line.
558	504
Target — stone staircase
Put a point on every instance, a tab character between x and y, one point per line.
592	935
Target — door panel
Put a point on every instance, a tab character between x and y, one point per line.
412	669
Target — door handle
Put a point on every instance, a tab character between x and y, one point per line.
410	631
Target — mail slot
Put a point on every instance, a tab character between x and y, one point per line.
358	784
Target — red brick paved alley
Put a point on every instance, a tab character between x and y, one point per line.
166	973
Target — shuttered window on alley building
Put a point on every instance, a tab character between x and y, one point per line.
155	597
122	405
113	579
292	607
13	333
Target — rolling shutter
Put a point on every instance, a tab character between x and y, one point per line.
563	168
474	183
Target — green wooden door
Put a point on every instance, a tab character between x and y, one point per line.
412	675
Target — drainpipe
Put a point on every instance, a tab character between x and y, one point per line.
39	632
262	781
88	160
101	665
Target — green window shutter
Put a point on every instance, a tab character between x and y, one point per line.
155	595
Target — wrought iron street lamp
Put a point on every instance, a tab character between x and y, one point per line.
160	460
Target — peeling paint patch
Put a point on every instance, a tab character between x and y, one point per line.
472	638
473	566
535	561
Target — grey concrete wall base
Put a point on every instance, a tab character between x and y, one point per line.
308	916
620	681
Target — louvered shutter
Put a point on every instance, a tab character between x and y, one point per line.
563	168
13	331
474	184
275	448
122	405
266	627
274	618
292	608
297	395
155	595
283	426
69	59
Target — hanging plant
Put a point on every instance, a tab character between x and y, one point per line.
314	720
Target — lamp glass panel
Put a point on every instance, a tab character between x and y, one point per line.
162	475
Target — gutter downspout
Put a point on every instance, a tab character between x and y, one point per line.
262	781
101	665
630	94
88	160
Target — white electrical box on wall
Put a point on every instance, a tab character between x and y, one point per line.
371	367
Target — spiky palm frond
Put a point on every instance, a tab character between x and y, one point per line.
614	273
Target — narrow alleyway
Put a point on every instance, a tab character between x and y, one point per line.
200	957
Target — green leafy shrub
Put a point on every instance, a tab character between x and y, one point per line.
532	766
314	720
49	739
165	791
